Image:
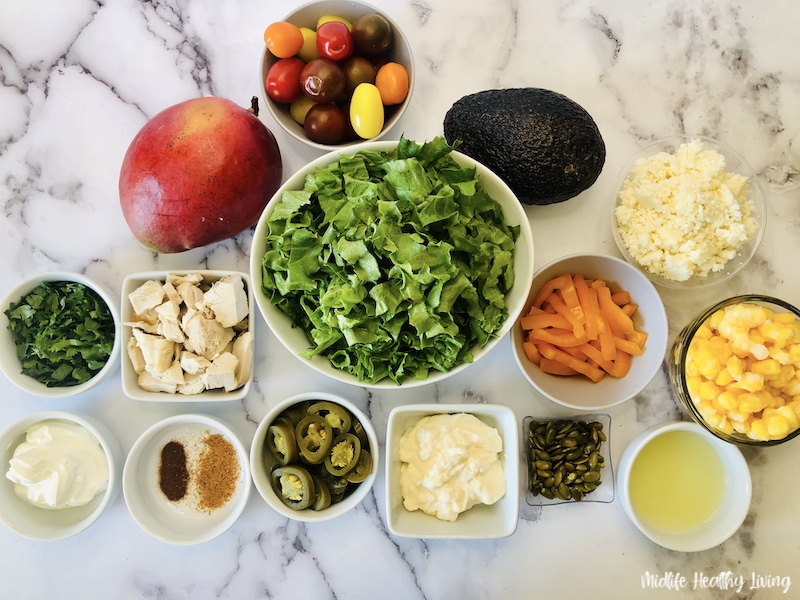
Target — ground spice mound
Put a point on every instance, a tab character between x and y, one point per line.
173	472
217	472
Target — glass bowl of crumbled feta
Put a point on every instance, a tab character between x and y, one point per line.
688	211
735	366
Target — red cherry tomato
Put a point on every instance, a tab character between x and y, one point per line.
334	41
283	80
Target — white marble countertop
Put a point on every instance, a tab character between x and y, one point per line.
80	78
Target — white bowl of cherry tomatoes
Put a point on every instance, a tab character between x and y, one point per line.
336	73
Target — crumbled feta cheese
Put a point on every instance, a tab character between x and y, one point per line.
682	215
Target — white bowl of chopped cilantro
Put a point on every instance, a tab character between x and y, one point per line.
60	334
406	273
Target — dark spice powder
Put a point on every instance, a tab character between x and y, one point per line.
217	472
173	474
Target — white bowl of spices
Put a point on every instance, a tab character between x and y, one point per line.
187	479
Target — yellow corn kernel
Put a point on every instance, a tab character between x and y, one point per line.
724	378
784	318
751	382
735	366
706	411
777	333
703	332
792	388
758	430
780	355
751	403
707	363
738	416
693	385
794	354
785	377
768	367
713	321
788	413
728	400
708	391
726	426
777	427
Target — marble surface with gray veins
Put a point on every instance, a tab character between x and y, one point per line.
78	79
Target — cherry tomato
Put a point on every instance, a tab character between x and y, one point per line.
392	82
283	79
325	124
309	50
366	111
300	107
283	39
372	35
357	69
328	18
334	41
322	80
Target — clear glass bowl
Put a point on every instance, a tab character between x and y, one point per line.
734	163
677	360
603	493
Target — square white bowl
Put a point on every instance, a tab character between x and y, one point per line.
479	522
130	380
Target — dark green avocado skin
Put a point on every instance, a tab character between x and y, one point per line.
546	147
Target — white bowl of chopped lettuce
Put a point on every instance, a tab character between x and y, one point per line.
60	334
392	263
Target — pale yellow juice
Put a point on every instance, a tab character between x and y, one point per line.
677	482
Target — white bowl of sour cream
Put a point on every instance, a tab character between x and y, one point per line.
60	472
452	471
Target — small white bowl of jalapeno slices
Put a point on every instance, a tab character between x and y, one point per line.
314	456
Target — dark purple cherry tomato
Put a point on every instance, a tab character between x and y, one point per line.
357	69
322	80
283	80
372	35
334	41
325	124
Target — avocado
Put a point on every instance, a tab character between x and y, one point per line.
543	145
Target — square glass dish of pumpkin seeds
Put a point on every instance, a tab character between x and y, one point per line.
568	459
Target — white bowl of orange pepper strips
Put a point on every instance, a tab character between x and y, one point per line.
594	333
187	479
736	369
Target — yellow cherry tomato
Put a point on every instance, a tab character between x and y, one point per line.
309	50
366	111
392	82
327	18
300	107
283	39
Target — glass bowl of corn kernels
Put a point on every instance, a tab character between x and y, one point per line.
735	368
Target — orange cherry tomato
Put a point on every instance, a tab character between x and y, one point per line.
283	39
392	82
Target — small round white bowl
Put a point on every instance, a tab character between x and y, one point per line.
44	524
294	339
479	522
180	522
651	317
307	16
725	521
9	362
734	163
130	380
261	470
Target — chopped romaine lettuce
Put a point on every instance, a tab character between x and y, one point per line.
393	263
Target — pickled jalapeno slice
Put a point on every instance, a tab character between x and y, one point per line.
362	469
294	486
336	415
282	442
343	455
314	438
